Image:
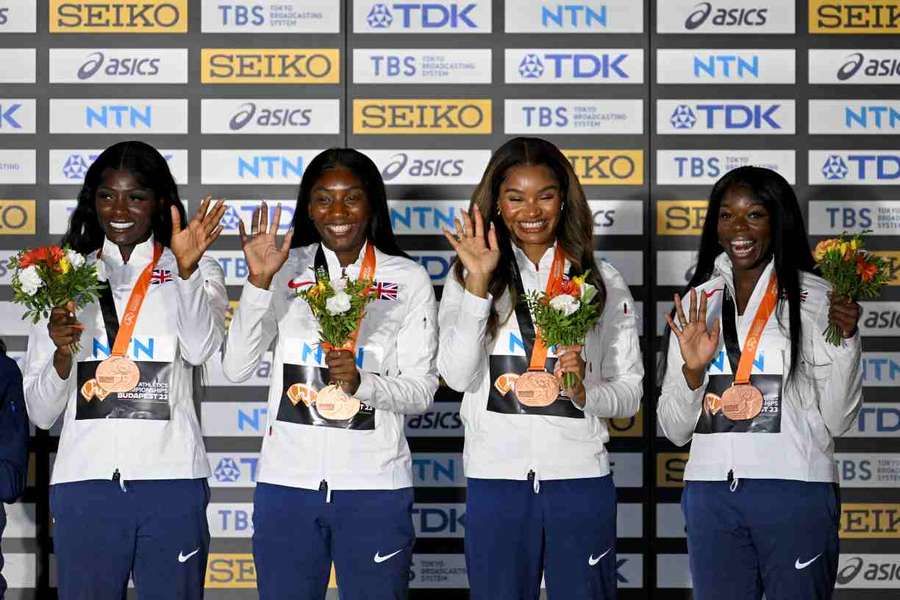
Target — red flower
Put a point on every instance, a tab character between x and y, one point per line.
865	269
47	255
566	286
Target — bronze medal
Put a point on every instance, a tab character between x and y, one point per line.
118	374
335	405
536	388
741	402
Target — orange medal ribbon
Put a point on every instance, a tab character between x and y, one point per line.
117	373
766	307
539	352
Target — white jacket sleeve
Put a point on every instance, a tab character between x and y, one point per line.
462	321
45	392
840	390
411	389
614	383
253	327
202	302
679	406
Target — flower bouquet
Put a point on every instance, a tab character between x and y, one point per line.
338	307
852	271
50	276
565	315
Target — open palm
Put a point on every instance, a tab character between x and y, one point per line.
189	244
698	343
478	253
263	254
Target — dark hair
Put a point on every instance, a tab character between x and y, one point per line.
2	347
378	230
574	232
789	245
150	169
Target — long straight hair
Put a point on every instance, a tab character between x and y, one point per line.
789	246
148	166
574	232
378	229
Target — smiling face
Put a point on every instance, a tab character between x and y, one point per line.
744	230
125	209
339	209
530	204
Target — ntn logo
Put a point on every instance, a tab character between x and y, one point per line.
139	348
575	15
119	115
874	115
270	165
425	216
726	65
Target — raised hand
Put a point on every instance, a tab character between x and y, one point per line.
189	244
479	255
65	331
697	342
263	254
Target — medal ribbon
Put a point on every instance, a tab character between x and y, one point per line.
366	272
526	325
751	342
129	318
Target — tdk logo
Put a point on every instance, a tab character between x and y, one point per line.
573	15
422	15
8	116
726	66
724	17
862	167
117	66
726	116
856	63
269	117
871	116
118	116
575	65
76	165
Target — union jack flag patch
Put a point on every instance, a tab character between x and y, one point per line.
385	290
159	276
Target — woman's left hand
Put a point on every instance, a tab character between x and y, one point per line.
569	361
342	370
844	313
189	244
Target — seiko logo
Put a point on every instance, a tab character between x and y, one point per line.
856	16
435	116
282	66
112	16
722	17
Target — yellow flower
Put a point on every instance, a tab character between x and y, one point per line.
64	265
823	247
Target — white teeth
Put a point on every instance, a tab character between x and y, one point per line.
742	247
121	226
532	225
340	229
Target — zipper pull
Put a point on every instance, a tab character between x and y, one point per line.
730	475
323	487
116	476
531	475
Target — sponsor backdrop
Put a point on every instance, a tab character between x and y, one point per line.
650	101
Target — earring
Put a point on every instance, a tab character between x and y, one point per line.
498	209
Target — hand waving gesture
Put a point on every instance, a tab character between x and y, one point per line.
478	255
264	256
697	342
189	244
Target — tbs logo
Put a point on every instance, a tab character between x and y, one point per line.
425	16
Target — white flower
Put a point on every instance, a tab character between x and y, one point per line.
75	259
565	304
30	280
338	304
101	270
